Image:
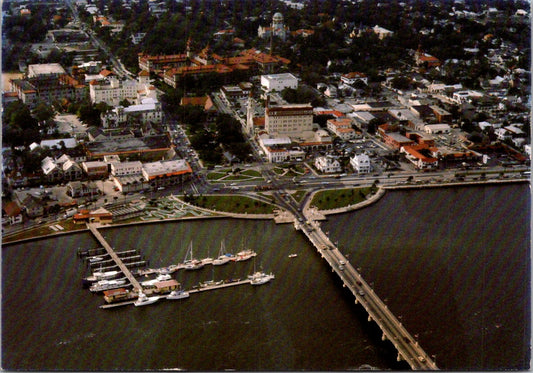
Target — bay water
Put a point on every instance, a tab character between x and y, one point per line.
452	263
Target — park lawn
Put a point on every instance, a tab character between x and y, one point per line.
216	175
235	204
45	230
252	173
299	195
336	198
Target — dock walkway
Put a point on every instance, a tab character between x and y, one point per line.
192	291
136	285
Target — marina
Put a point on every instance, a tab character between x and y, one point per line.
150	291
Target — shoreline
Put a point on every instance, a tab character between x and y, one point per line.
313	211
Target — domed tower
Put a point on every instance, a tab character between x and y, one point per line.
278	28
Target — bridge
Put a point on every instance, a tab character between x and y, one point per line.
408	348
136	285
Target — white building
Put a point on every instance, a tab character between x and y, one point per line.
149	110
382	32
437	128
45	69
166	172
112	90
280	149
328	164
288	120
126	168
277	28
351	78
278	82
342	128
361	163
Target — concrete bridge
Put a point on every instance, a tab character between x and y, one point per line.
408	348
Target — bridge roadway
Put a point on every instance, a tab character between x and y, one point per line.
136	285
393	330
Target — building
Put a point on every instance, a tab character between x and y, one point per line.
126	168
421	155
342	128
280	149
288	120
361	163
351	78
163	173
11	213
45	70
437	128
276	29
382	32
426	60
148	111
278	82
112	91
232	93
143	147
327	164
95	169
46	83
77	189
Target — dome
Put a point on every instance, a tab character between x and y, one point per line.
278	17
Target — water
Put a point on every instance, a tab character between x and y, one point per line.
461	285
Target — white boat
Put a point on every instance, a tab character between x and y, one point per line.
144	300
159	278
94	259
223	257
244	255
178	294
293	255
260	278
105	275
107	285
190	263
210	283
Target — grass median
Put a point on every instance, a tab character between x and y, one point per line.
337	198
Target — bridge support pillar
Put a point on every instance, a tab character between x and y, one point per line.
369	318
383	337
356	301
399	357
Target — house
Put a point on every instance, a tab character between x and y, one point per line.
11	213
361	163
33	206
77	189
353	77
327	164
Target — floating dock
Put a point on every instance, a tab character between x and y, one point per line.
192	291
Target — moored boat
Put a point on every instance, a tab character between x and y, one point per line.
144	300
178	294
260	278
223	257
103	285
244	255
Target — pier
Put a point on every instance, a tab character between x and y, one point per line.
136	285
408	348
192	291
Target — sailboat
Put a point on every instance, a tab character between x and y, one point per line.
210	283
223	257
190	263
260	277
244	254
